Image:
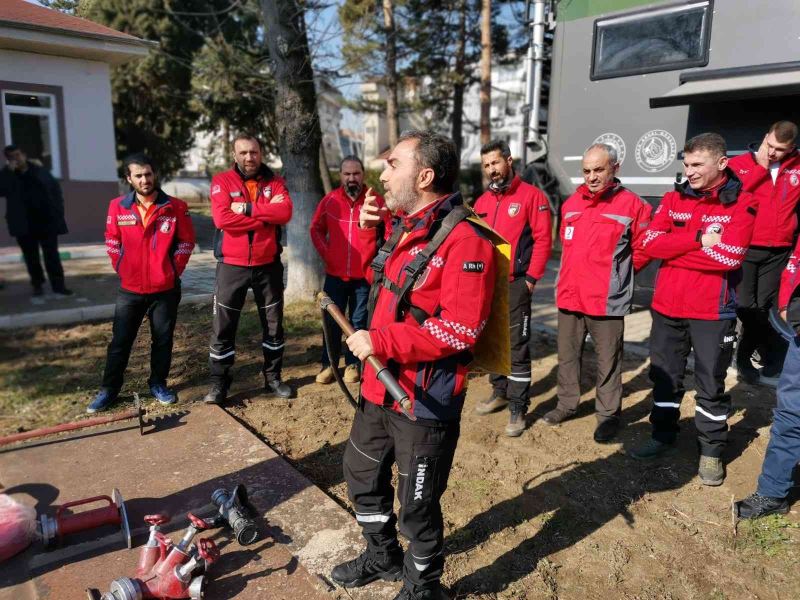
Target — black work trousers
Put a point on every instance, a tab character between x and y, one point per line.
423	451
671	340
230	291
30	244
755	295
162	312
517	386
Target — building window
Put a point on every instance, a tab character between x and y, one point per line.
30	122
663	39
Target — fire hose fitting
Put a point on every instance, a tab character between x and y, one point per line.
236	512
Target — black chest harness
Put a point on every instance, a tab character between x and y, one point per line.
414	269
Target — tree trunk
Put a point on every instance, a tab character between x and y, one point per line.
460	77
486	71
391	72
325	171
299	137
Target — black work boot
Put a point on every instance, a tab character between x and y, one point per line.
429	592
277	387
756	506
368	567
219	390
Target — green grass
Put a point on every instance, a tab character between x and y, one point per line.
774	535
51	373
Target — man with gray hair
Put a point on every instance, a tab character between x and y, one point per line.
602	228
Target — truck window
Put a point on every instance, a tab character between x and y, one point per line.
663	39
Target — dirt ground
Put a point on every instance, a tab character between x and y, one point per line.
548	515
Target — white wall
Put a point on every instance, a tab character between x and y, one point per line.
88	117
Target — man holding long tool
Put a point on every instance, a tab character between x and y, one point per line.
432	288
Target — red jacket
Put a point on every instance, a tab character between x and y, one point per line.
334	232
431	361
253	238
776	222
149	259
789	279
521	214
601	247
695	282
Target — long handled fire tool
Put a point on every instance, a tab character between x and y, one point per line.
137	412
384	376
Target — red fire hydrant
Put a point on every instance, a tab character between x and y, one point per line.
167	570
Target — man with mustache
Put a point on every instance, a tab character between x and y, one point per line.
334	232
149	238
425	337
249	203
700	232
602	228
772	175
520	213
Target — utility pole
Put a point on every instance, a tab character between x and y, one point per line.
534	61
486	71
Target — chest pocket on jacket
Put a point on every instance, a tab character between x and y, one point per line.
572	228
609	232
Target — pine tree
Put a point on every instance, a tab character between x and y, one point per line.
151	96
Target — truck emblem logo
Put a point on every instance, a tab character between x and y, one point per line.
656	150
613	140
513	209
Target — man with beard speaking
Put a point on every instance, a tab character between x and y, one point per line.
334	231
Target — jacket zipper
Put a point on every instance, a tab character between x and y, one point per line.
349	238
496	208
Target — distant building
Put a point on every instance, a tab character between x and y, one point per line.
508	98
55	103
351	143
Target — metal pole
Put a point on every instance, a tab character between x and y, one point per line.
537	49
526	117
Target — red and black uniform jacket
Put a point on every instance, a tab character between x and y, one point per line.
149	259
253	238
777	202
431	360
789	279
521	214
601	241
334	232
695	282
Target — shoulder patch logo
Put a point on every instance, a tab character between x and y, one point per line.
794	180
715	228
473	266
268	192
513	209
215	189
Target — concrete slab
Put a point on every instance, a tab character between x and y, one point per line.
174	468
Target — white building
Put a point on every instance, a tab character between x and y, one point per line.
55	103
508	98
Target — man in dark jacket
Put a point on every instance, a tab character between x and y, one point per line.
35	216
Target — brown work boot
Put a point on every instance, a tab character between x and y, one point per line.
491	404
325	376
351	374
556	416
